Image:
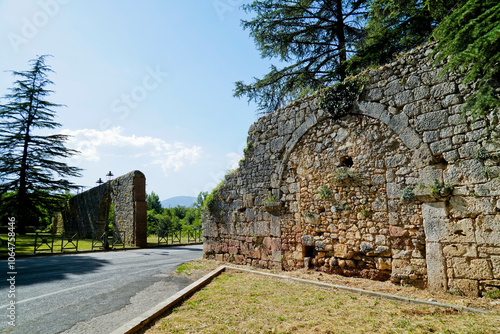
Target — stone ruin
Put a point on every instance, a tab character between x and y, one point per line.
405	187
87	213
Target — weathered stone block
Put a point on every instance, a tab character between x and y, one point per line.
463	207
432	120
443	89
307	240
495	263
488	230
467	287
430	174
383	263
340	250
371	109
461	231
458	250
471	268
410	138
436	267
396	231
403	98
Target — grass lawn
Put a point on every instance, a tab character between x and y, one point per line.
248	303
25	244
153	241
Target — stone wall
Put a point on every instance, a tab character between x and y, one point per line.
404	187
87	213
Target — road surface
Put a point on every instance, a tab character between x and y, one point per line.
92	292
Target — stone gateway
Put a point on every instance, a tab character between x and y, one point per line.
404	187
87	213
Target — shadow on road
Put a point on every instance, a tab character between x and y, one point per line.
53	268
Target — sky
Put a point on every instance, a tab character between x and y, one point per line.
148	85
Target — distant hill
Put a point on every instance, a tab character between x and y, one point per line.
178	200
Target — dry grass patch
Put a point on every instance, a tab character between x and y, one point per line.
248	303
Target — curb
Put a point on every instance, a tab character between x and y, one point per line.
139	322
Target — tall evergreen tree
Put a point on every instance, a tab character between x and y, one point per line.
395	26
154	203
469	41
314	37
32	175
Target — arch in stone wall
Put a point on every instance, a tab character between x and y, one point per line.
87	213
398	123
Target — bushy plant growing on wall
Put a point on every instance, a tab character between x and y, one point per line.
338	99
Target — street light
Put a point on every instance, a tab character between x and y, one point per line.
109	176
99	182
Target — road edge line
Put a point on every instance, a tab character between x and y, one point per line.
139	322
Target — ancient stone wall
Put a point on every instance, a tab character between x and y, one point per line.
87	213
404	187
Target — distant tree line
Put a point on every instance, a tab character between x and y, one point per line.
175	218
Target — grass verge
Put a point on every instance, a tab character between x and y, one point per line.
248	303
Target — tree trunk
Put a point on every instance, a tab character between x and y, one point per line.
342	40
24	209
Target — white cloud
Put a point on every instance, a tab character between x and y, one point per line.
94	145
233	160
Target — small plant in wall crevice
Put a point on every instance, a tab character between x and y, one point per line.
408	194
345	174
270	199
325	192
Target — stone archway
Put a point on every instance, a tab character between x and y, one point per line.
87	213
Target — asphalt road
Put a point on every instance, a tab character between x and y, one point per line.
92	292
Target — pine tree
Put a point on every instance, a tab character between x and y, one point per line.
316	38
32	175
469	41
396	26
154	203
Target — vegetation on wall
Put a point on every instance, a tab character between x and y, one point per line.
338	99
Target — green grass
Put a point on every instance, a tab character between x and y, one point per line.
153	241
247	303
25	244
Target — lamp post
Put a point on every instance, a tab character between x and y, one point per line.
109	177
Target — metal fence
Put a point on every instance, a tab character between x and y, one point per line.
50	242
171	237
46	242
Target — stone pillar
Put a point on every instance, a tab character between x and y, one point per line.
435	217
141	208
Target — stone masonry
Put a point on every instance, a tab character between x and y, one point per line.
404	187
86	213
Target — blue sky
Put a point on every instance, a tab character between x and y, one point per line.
148	84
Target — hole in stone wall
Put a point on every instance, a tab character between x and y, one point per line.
346	162
459	232
321	210
440	161
308	251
